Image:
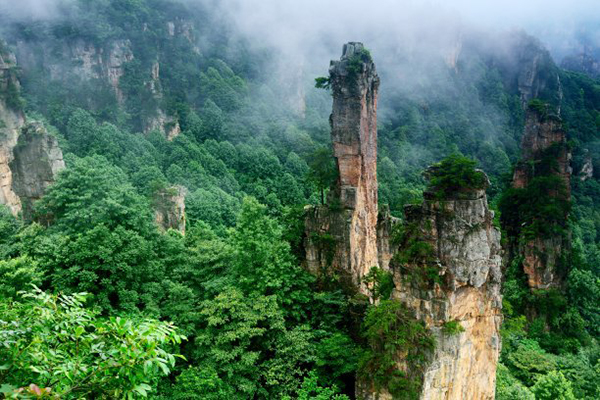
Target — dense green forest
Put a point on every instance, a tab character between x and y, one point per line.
97	302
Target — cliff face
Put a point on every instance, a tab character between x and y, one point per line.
11	121
169	209
527	67
80	61
456	283
544	154
29	157
37	161
541	133
97	69
350	220
584	62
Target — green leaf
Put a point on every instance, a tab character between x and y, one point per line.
142	389
79	331
6	388
164	368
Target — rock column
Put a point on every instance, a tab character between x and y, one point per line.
545	154
343	234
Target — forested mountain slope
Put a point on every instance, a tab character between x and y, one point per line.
158	160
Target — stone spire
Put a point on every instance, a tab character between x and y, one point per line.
545	154
350	220
354	82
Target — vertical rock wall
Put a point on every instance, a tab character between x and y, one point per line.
466	256
37	161
355	83
29	157
351	236
169	209
11	121
343	235
544	143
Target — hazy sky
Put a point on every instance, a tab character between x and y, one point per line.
289	23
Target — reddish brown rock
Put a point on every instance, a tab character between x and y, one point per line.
348	226
12	120
540	134
351	235
544	143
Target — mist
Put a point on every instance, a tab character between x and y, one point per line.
30	9
291	25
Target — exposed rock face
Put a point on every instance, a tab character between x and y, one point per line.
350	221
527	68
351	235
86	61
587	170
584	62
11	121
29	157
83	63
544	138
542	132
467	255
160	121
169	208
37	161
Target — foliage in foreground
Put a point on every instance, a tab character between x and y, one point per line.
51	345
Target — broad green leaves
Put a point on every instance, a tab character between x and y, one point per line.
53	345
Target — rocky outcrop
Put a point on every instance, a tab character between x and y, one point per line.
85	64
37	161
543	134
587	170
545	154
11	121
456	283
585	62
343	235
85	61
526	67
447	268
160	121
30	158
169	208
447	272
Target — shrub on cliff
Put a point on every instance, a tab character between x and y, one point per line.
454	175
389	329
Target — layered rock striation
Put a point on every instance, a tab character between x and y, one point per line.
344	234
452	284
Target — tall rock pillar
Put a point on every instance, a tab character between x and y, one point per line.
454	288
543	173
445	268
349	222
